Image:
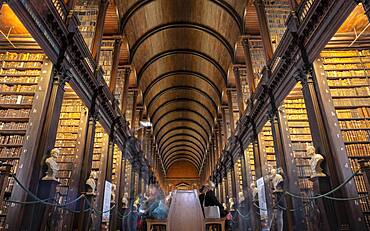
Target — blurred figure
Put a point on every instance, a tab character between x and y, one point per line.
211	199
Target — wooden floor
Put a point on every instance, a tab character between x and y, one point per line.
185	213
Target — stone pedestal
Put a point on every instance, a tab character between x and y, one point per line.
42	214
325	210
85	221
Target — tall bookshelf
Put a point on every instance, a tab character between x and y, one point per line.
117	156
68	139
347	75
99	159
300	136
87	13
239	176
235	104
244	85
22	76
268	148
277	12
249	156
118	90
258	57
127	178
106	58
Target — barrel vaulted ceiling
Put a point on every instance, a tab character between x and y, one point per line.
182	51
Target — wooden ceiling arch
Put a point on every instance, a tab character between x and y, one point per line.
183	102
182	152
184	130
181	51
180	123
185	159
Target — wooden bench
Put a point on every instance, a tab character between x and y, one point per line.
220	221
152	222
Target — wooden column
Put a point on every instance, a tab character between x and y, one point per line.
249	66
285	161
115	62
42	135
260	163
224	126
124	94
221	147
99	30
253	222
327	139
121	189
221	188
133	118
139	191
239	91
226	185
264	29
233	180
134	167
82	219
217	153
118	193
231	110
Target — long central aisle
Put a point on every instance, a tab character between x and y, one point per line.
186	213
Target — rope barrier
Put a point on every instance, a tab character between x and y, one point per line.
325	194
37	200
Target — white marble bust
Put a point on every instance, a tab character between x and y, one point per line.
113	194
241	197
91	181
52	164
254	191
231	204
277	180
315	162
125	201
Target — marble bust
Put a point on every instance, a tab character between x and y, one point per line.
125	201
52	165
91	182
254	191
277	180
241	197
315	162
113	195
231	204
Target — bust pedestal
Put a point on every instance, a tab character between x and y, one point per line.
325	209
42	214
85	221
